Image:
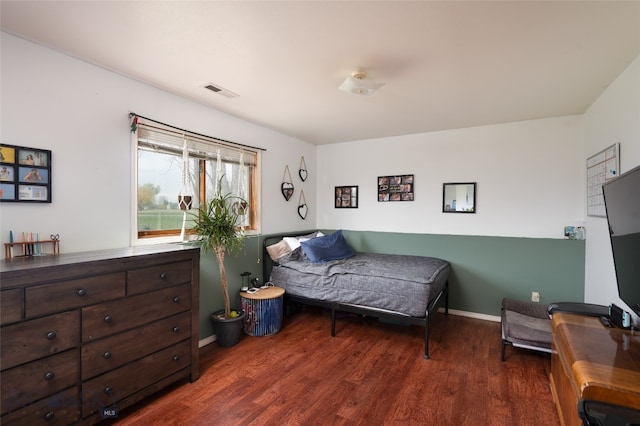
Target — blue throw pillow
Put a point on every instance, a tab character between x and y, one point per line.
329	247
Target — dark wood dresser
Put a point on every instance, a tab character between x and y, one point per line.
87	334
591	362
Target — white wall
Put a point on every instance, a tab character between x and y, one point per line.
614	117
80	112
529	176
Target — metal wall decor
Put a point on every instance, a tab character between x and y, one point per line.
287	185
303	173
25	174
395	188
302	206
601	167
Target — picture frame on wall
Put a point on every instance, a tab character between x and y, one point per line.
346	197
25	174
395	188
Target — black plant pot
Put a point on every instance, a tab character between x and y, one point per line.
228	331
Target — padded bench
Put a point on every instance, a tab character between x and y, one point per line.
528	324
525	325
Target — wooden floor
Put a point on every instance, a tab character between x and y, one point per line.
371	373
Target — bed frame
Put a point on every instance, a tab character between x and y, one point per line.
267	265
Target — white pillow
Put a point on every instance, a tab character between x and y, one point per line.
294	242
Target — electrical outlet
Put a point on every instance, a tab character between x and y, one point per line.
535	296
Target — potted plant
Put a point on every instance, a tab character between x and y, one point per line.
216	229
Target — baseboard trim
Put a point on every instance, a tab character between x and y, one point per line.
208	340
475	315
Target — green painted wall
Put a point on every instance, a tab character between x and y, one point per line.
210	294
483	269
486	269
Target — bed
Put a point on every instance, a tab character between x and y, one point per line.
402	288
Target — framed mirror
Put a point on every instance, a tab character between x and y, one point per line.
459	197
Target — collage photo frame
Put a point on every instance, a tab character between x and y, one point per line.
25	174
395	188
346	197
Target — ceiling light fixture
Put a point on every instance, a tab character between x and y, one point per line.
357	84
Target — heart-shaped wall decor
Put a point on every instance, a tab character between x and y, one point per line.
287	190
302	172
302	211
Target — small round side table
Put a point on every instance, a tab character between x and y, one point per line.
263	310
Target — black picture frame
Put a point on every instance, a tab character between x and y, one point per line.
459	197
395	188
25	174
346	197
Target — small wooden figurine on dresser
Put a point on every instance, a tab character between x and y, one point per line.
31	244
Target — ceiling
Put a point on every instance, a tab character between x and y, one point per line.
445	64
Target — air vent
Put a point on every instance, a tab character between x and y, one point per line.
220	91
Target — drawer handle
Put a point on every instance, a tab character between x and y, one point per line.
108	390
51	335
49	416
49	375
176	358
106	355
176	299
176	329
81	292
108	318
163	276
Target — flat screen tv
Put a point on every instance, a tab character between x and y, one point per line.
622	203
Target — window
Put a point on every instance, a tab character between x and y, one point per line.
161	153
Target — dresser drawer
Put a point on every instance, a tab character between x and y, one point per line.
64	295
157	277
60	409
10	306
111	387
115	351
30	340
30	382
110	318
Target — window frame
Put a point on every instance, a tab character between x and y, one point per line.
174	235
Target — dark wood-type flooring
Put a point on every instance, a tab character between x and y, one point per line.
371	373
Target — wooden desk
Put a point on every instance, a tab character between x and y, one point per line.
592	362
